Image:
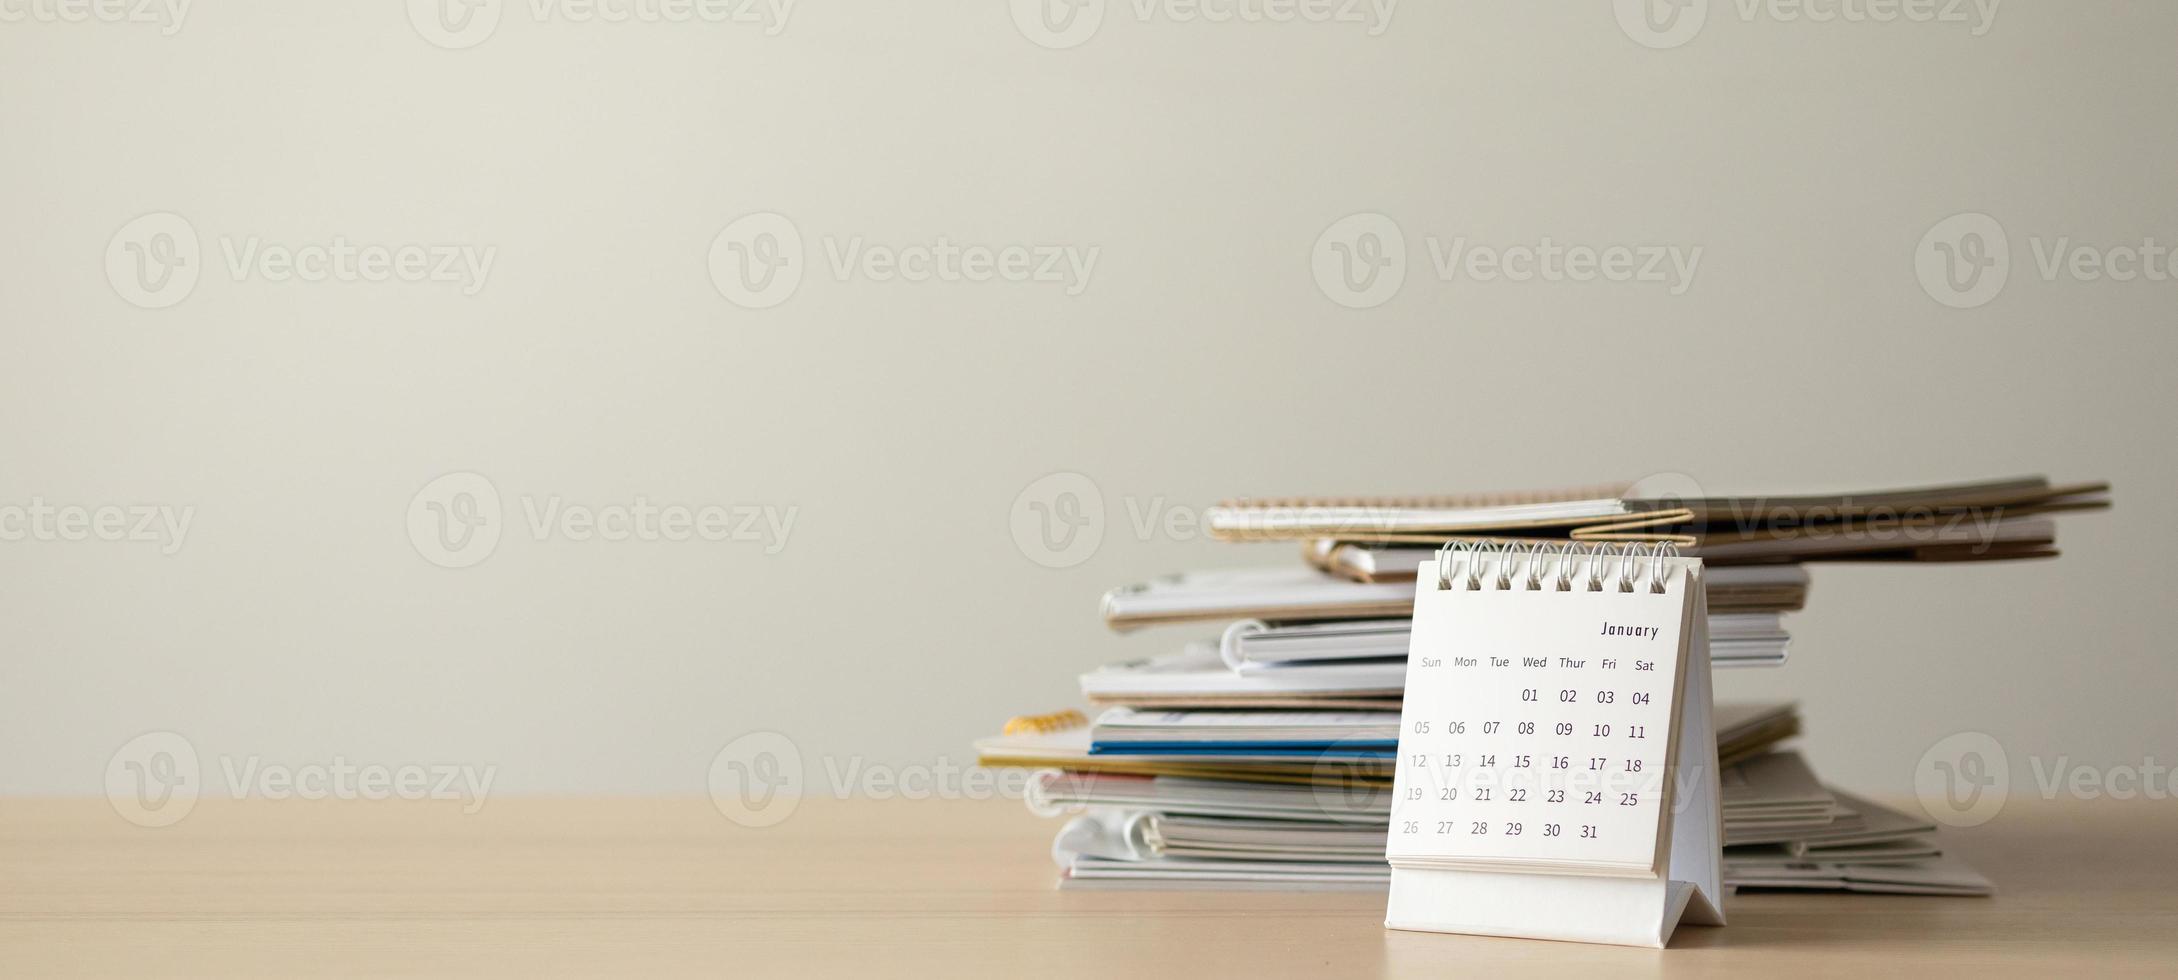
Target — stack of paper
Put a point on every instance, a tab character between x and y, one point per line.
1302	638
1258	752
1783	828
1182	816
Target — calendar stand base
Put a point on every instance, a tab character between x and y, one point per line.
1573	908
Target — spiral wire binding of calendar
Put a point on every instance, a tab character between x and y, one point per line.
1621	567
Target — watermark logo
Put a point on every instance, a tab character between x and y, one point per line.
1664	24
154	260
1058	24
756	261
2149	780
1666	490
1360	261
459	24
1672	267
40	520
757	779
1661	24
153	780
1338	785
167	14
455	520
1058	521
770	15
454	24
1964	260
1061	519
1963	780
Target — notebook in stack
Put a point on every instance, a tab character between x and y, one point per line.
1980	520
1259	753
1783	828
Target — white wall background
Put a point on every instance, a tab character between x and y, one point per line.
295	421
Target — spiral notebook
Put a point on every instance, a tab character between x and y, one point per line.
1624	512
1580	511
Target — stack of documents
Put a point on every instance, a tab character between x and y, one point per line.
1783	828
1258	752
1303	638
1216	798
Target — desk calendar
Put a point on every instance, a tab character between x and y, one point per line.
1557	774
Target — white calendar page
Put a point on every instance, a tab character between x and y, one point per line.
1538	726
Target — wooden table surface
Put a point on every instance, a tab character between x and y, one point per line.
960	888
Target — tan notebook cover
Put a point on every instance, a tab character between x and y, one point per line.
1574	515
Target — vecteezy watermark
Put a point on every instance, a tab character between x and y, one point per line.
155	779
456	521
168	15
458	24
1059	520
1663	24
1965	260
758	261
1966	778
1877	526
2149	780
758	779
1963	780
155	261
1059	24
161	524
1360	261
